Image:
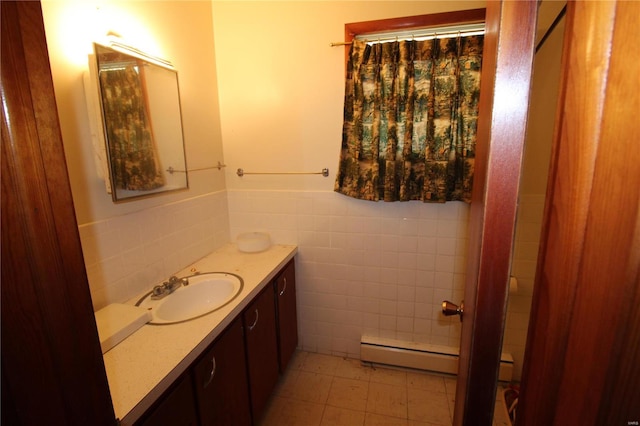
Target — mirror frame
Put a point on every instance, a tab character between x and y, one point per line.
157	173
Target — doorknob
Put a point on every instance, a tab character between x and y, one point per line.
449	308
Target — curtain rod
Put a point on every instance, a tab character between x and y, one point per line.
421	34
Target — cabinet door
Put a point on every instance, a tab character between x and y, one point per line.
285	287
222	389
176	408
262	349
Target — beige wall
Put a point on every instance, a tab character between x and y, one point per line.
129	247
180	31
380	269
282	86
364	268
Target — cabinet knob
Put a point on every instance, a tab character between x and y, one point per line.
212	373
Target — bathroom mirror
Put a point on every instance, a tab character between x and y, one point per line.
140	103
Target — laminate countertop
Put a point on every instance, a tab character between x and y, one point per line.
145	364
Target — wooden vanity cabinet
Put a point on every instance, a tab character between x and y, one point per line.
220	381
259	320
231	381
176	408
286	314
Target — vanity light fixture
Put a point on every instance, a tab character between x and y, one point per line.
114	41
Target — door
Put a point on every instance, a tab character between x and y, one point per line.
221	383
259	320
52	368
286	314
584	331
176	408
506	69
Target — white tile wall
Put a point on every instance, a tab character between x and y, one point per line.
363	267
380	269
128	254
523	267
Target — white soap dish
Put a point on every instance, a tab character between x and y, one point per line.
253	242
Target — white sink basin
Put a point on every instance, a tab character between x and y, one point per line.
205	293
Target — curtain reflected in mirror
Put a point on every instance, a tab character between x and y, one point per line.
140	105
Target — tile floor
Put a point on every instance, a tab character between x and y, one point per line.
327	390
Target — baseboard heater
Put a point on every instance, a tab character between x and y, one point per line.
422	356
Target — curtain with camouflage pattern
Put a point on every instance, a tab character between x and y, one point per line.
410	118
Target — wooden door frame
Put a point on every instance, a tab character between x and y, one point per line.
504	103
52	367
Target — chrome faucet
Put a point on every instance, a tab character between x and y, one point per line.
168	287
